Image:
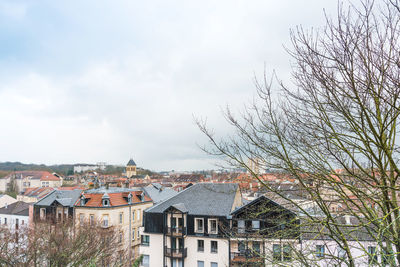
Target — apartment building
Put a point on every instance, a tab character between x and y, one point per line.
188	229
115	207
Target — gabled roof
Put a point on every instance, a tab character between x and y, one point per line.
16	208
131	163
261	199
66	198
202	199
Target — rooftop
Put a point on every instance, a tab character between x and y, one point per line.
202	199
16	208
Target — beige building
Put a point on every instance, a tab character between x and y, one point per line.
115	207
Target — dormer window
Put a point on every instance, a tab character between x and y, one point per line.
130	198
105	200
83	200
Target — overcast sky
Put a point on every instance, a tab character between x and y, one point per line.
89	81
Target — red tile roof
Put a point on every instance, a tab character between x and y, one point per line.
116	199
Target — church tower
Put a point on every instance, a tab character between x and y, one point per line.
130	169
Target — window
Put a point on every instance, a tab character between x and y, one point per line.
256	247
120	238
281	252
138	234
91	219
42	213
16	223
255	225
5	220
372	256
138	215
199	225
146	261
241	247
276	252
133	234
387	256
241	227
200	263
22	222
214	264
200	245
341	253
287	253
320	251
212	226
81	218
214	246
105	220
133	216
145	240
121	216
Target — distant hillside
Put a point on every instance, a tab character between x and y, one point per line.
63	169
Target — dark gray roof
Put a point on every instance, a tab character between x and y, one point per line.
66	198
202	199
131	163
158	193
16	208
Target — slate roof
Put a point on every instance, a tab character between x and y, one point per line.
202	199
16	208
66	198
158	193
131	163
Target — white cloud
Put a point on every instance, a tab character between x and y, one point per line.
111	80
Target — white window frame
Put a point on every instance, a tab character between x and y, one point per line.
105	222
196	225
216	226
121	218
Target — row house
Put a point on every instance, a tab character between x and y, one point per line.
188	228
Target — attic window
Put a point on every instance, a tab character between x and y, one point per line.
106	202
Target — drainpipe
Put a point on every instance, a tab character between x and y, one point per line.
130	235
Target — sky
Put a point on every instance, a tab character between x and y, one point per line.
106	81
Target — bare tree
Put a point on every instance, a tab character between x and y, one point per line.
334	130
61	244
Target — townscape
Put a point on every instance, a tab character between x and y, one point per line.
301	170
213	218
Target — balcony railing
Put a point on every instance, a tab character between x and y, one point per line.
246	256
176	231
175	252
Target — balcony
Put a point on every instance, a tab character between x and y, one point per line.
247	256
176	231
175	252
